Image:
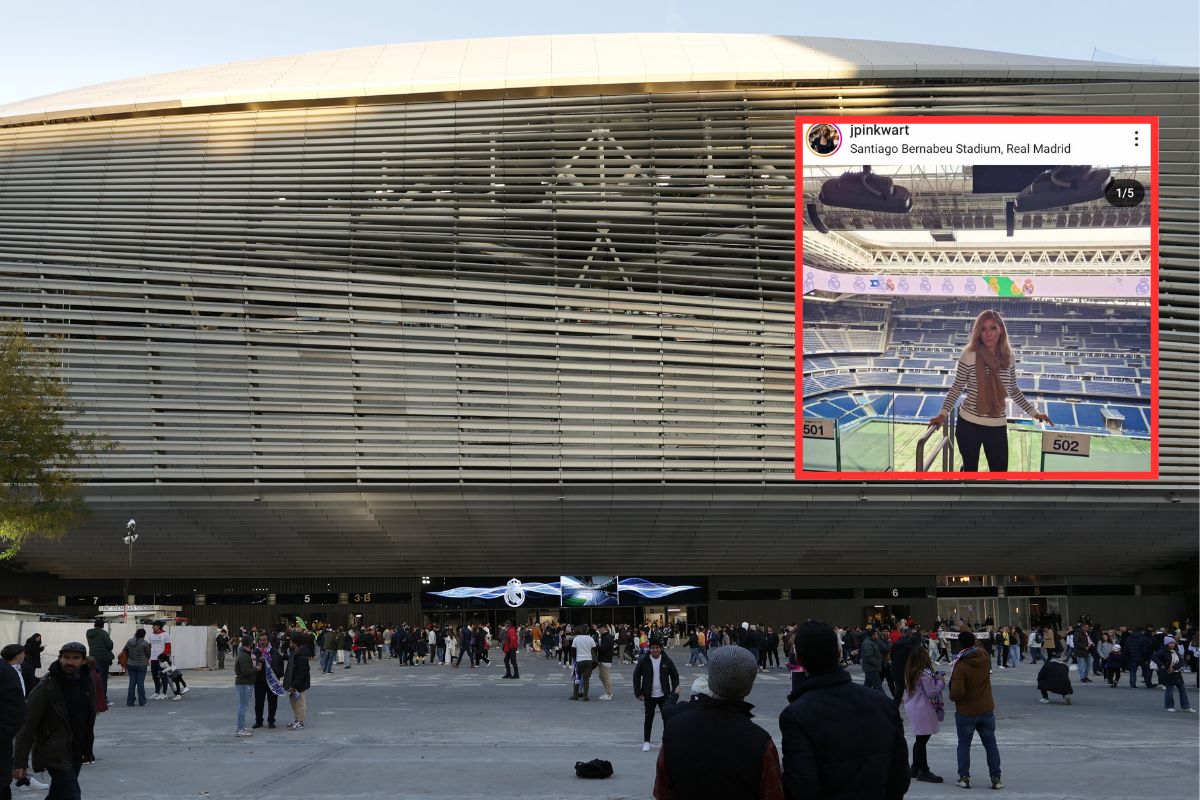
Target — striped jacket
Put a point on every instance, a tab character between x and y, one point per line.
964	379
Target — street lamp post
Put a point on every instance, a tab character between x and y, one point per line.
130	537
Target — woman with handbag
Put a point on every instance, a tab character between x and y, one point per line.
924	708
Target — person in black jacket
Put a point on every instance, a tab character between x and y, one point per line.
901	650
273	660
1170	674
772	648
33	652
347	643
59	723
1055	676
711	748
12	713
1136	650
297	679
840	740
654	678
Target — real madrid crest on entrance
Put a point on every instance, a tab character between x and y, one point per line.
514	596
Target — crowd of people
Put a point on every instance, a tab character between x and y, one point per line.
838	736
841	739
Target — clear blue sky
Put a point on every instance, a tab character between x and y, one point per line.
49	46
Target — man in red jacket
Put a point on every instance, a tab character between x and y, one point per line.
509	646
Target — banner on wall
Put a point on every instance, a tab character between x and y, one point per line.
984	285
569	590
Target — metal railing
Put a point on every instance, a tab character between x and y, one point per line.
943	446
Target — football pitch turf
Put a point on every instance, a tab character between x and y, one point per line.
865	448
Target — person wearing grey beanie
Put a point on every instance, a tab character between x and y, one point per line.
711	746
731	672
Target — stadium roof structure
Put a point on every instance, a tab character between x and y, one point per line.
551	64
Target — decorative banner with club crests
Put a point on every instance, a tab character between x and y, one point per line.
1133	286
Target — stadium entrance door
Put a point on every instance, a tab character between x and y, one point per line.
883	615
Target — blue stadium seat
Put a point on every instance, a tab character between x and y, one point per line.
844	402
1061	413
1135	422
931	406
1089	416
907	405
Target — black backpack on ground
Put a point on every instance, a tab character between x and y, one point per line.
596	768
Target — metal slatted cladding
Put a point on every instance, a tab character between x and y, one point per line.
486	289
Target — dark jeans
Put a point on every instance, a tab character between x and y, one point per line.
6	751
64	783
1171	682
585	677
871	680
890	677
920	759
651	703
137	680
103	667
467	651
773	658
221	659
261	693
986	725
510	664
160	680
1133	671
993	439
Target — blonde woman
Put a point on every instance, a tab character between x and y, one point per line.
823	139
987	372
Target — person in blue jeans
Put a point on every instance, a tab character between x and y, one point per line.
137	652
697	651
1081	641
1170	675
245	670
971	691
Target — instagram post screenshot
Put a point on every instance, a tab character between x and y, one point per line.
976	298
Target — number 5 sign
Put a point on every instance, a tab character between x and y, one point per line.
1066	444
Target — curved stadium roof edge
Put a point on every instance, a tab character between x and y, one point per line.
566	62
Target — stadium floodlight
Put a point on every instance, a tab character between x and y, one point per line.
1064	186
866	191
130	538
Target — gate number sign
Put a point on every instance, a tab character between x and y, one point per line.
1066	444
818	429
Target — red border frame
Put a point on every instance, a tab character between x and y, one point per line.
798	303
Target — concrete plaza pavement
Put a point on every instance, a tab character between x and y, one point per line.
385	731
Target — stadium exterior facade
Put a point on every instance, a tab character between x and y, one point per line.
521	306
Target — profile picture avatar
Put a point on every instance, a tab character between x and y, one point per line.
824	139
